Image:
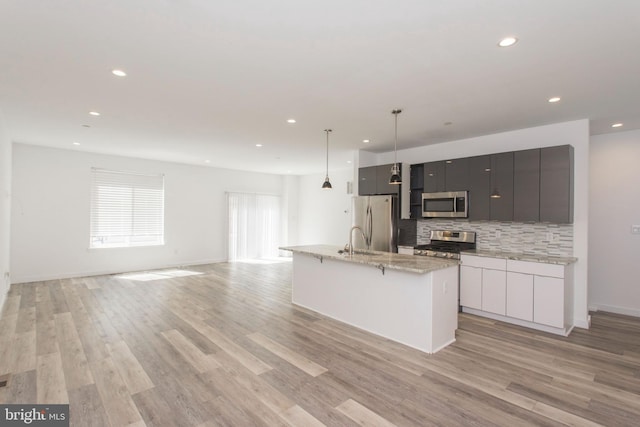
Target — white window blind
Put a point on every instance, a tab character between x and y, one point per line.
127	209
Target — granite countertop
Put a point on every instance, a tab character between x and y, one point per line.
393	261
547	259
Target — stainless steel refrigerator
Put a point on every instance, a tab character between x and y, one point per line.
378	217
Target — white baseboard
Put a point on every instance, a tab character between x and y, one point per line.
581	323
540	327
71	275
615	309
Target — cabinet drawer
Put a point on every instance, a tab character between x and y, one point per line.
484	262
537	268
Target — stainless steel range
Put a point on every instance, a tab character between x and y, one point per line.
447	244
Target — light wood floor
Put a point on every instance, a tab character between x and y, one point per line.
227	347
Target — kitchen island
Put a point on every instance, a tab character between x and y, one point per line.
405	298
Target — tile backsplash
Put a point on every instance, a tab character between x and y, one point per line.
527	238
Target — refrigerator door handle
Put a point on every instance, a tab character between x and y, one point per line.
365	234
369	227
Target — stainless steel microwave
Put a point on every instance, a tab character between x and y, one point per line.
448	204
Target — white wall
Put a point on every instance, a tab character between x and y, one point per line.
575	133
324	216
5	211
614	205
290	196
50	214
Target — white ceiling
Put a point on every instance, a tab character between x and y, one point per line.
207	80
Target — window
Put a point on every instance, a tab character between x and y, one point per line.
254	226
127	209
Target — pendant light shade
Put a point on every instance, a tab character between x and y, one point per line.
327	184
395	169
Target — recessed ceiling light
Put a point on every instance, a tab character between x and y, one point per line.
76	143
288	171
554	99
94	113
616	125
291	121
507	41
448	123
366	141
86	126
207	161
349	161
258	145
118	73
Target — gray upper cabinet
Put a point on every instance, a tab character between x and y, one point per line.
367	181
456	174
375	180
479	188
502	186
382	179
533	185
434	177
526	185
415	195
556	184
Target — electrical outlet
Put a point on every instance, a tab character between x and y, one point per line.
549	237
635	229
498	234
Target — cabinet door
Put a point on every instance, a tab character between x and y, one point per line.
548	301
556	184
502	184
367	181
526	185
471	287
383	174
520	296
417	177
479	188
434	177
456	174
494	291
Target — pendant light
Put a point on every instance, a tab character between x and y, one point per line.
395	169
327	185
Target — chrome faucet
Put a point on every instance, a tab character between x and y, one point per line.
355	227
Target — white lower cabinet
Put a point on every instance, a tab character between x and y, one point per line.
494	291
548	301
471	287
520	296
534	294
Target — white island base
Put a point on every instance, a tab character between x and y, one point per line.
416	309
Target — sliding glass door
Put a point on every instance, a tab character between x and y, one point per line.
254	226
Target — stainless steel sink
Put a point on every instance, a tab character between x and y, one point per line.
356	252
